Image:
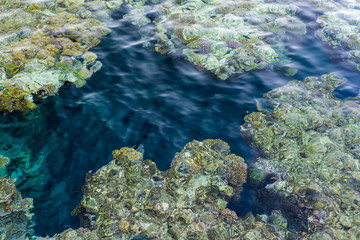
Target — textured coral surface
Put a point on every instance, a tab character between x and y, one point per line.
311	165
45	44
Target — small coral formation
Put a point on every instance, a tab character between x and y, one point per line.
15	98
311	155
222	37
131	199
15	222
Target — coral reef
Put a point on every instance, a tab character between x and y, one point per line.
222	37
309	138
131	199
311	155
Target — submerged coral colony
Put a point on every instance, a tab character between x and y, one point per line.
310	139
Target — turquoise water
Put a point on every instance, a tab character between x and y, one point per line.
143	98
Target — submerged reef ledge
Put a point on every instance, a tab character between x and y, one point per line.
45	43
311	150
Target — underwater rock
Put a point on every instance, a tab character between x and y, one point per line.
129	198
310	163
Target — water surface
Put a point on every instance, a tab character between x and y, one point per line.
143	98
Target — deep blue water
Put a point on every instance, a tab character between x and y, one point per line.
141	97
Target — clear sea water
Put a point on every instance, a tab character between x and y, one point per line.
143	98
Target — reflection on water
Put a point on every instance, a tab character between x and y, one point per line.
162	102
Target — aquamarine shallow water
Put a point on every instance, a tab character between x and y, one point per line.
143	98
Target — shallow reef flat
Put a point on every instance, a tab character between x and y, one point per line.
310	163
222	37
45	43
235	37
